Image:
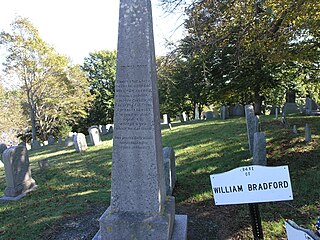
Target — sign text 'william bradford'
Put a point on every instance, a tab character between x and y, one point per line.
252	184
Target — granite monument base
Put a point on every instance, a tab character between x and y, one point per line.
16	198
128	225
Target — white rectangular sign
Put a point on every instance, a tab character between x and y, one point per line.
295	232
252	184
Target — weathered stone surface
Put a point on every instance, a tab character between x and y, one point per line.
17	171
259	149
251	125
238	110
94	135
185	117
139	207
80	142
169	159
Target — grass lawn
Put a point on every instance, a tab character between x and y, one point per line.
77	184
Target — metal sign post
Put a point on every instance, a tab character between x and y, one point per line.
255	221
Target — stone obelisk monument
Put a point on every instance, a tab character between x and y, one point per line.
139	207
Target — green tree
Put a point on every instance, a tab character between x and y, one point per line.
100	68
245	45
56	93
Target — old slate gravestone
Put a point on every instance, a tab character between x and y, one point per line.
94	135
18	173
51	140
196	113
139	207
259	149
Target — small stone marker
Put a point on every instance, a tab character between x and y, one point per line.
43	164
257	124
223	112
277	113
209	115
80	142
307	134
295	131
196	112
259	149
251	125
169	159
60	140
51	140
68	141
139	208
18	173
94	135
184	116
165	119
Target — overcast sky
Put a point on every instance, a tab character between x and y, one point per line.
77	27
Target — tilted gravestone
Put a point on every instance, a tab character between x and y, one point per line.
251	125
80	142
18	173
165	119
169	169
139	207
94	135
209	115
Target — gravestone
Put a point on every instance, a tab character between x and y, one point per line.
259	149
223	112
35	145
139	207
196	112
51	140
294	129
43	164
257	124
169	169
308	107
251	125
68	142
185	116
209	115
109	128
94	135
60	140
277	112
307	133
18	173
80	142
165	119
238	110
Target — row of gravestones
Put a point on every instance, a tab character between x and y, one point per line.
257	147
18	172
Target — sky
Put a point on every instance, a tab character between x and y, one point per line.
77	27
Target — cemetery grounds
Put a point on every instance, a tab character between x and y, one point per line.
75	190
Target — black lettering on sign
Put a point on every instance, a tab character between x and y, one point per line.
267	186
228	189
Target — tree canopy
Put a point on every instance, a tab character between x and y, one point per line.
56	92
100	68
249	48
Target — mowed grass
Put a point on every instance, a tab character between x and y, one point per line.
76	182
